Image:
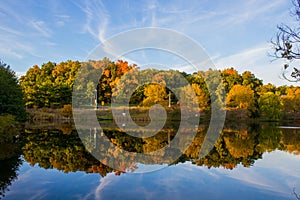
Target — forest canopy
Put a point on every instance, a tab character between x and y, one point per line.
51	85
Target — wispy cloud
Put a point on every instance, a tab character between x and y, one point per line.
7	10
12	46
103	183
61	19
97	18
8	52
245	11
248	57
204	14
20	31
254	59
41	27
8	30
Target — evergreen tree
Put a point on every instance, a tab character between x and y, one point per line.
11	96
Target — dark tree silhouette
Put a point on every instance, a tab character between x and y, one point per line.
11	96
286	45
296	195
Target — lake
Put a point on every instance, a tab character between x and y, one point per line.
248	161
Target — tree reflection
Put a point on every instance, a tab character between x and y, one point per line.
241	145
9	164
54	149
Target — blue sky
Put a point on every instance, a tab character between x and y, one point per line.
233	33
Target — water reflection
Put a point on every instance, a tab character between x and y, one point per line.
54	149
237	145
226	166
10	162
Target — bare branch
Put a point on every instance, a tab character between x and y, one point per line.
294	189
293	77
286	45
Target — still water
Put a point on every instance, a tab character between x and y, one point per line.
257	161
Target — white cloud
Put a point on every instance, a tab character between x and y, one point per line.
19	74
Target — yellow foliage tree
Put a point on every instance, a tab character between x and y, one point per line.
291	101
155	93
240	96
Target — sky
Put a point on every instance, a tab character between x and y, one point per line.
233	33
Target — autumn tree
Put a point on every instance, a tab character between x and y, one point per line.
188	92
51	85
198	79
112	72
154	94
230	77
267	88
240	96
291	101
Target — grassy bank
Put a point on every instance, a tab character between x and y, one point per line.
140	115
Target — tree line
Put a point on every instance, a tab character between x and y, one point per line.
51	85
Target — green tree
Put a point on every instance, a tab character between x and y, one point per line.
269	139
90	91
186	95
250	80
30	87
11	96
9	128
270	106
214	84
138	95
